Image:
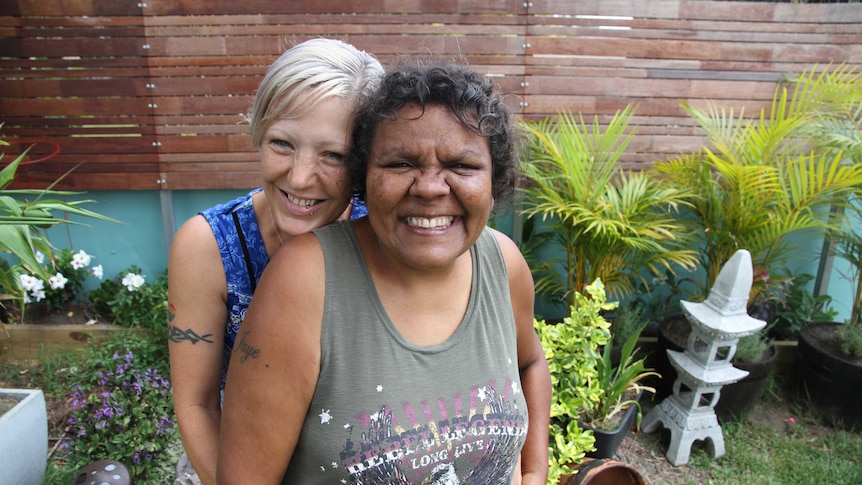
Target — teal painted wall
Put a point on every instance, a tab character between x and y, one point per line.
141	238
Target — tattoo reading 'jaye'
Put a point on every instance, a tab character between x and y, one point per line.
247	350
179	335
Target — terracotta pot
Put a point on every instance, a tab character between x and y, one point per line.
604	472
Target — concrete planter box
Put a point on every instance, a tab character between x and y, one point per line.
24	438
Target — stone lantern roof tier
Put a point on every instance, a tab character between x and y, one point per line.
697	374
721	327
724	314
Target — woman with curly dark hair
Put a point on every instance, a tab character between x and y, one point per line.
408	353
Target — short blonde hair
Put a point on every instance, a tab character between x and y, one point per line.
305	75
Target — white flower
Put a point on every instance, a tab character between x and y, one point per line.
58	281
40	257
38	295
80	260
30	282
133	281
98	272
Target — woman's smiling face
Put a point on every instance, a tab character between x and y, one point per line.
306	179
428	186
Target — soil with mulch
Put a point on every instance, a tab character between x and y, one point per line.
36	315
827	339
7	403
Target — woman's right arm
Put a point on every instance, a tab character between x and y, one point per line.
197	291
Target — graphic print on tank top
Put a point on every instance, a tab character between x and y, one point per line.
432	442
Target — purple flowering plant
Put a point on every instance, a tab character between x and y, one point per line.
124	413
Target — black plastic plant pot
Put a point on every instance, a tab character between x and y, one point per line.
737	399
828	380
607	442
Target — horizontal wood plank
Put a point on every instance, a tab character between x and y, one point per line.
151	95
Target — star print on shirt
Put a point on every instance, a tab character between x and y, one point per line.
379	388
515	388
325	417
482	395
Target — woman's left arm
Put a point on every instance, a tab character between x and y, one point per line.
535	376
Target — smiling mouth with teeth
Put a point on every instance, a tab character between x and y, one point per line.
430	223
302	202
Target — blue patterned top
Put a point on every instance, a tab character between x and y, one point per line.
239	286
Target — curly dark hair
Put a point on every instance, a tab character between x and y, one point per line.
472	99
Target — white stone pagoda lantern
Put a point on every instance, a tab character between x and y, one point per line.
704	367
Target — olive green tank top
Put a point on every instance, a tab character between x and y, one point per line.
386	411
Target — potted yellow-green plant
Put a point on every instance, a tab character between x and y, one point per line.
830	354
617	407
588	388
762	179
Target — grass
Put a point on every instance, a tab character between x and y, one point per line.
805	451
758	454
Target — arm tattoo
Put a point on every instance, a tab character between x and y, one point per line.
179	335
247	350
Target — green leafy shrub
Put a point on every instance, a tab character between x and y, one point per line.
130	301
572	350
851	340
798	306
629	320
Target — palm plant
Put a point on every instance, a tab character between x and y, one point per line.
763	179
609	223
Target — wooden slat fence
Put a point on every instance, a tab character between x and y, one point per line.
150	95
